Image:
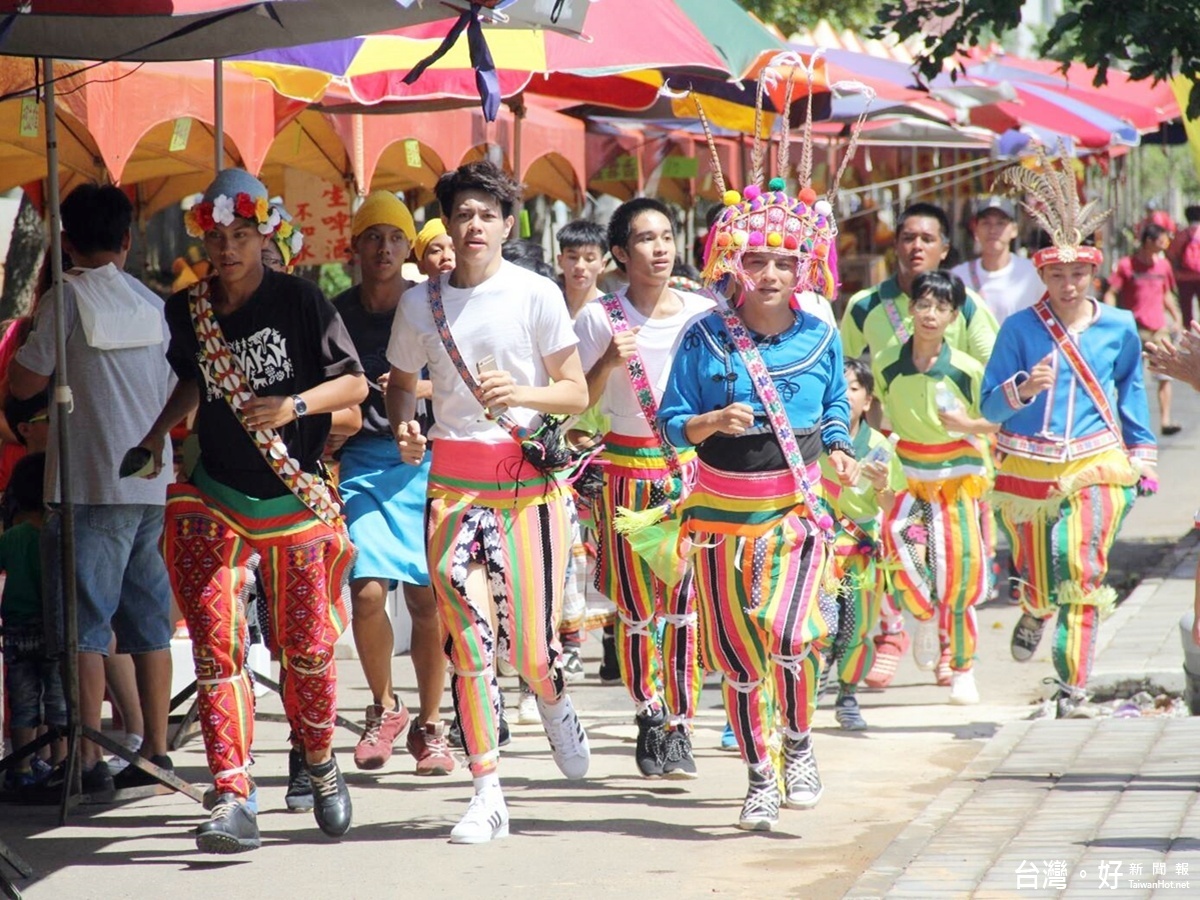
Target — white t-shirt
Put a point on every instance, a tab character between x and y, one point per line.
1011	289
516	316
655	342
816	305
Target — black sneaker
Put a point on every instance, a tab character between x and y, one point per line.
1026	636
331	798
1070	702
610	668
299	796
232	828
678	761
651	744
131	776
97	783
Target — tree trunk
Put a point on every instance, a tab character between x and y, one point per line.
24	259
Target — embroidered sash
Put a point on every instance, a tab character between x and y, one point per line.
504	420
764	386
222	369
893	313
636	369
1080	366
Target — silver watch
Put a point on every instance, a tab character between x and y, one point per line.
299	406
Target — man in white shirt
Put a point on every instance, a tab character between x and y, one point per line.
500	350
1008	283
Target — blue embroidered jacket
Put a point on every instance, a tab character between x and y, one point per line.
1062	423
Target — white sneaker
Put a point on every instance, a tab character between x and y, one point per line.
486	819
527	709
926	647
568	740
801	780
963	691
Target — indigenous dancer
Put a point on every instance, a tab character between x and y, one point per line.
856	512
265	359
1065	384
497	524
934	530
385	507
635	331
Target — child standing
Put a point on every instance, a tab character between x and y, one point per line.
856	512
35	689
934	530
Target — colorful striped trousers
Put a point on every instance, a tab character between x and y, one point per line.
498	533
758	594
934	537
1061	545
860	594
213	540
635	469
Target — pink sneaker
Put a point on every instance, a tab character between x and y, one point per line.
888	650
427	745
374	748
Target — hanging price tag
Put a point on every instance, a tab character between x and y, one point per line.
30	121
179	135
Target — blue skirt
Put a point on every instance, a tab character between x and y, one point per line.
385	507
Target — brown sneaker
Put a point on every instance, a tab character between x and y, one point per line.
374	748
427	745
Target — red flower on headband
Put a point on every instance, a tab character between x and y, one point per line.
245	207
204	217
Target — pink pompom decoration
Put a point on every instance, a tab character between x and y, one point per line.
756	239
752	192
825	522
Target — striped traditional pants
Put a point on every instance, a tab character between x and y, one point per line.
943	568
633	467
860	593
759	600
498	533
1063	560
211	550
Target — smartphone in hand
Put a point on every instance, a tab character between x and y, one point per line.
485	365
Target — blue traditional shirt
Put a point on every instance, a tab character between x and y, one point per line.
805	362
1063	423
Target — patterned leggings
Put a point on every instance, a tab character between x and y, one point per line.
943	569
211	552
516	558
761	617
1062	563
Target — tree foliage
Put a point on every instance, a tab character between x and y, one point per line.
1155	40
789	16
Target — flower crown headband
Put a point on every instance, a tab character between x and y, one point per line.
223	210
771	220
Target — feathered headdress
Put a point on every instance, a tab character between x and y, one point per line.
1052	198
770	220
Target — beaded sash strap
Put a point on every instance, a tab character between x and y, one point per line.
893	313
764	386
1079	365
504	420
222	369
638	379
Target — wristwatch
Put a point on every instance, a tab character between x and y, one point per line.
299	407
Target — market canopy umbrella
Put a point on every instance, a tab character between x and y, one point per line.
213	29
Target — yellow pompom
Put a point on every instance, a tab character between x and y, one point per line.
740	238
731	197
774	239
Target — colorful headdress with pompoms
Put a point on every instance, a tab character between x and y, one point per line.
288	238
772	220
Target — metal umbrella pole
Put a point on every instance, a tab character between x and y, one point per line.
62	400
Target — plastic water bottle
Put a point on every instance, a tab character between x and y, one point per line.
881	453
947	402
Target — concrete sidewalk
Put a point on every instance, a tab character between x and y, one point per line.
1074	808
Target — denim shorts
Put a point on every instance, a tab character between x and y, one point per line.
120	577
35	691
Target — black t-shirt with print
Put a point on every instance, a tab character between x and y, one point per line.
288	338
